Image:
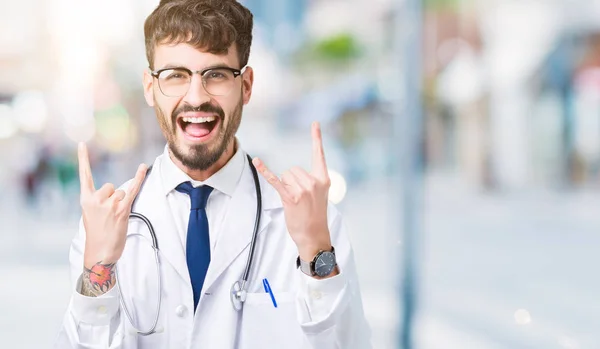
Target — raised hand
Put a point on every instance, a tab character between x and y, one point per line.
105	216
304	196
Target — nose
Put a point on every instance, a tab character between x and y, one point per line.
196	95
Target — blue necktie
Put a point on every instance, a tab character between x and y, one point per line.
198	242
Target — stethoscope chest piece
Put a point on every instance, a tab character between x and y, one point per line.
238	295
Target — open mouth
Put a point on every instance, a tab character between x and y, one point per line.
198	128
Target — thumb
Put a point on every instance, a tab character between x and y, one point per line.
270	177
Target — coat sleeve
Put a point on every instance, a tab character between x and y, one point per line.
330	311
89	322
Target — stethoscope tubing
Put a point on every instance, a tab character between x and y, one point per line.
256	222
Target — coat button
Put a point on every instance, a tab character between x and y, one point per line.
316	294
181	310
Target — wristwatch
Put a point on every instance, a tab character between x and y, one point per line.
321	266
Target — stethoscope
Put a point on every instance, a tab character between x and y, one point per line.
238	289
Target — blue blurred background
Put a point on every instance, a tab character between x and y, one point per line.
506	246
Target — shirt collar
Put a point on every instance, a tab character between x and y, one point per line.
224	180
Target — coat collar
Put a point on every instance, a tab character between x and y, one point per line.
224	180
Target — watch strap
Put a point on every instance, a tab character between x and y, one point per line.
305	267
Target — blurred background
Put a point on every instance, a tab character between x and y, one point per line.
505	193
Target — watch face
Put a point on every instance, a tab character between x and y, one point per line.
324	264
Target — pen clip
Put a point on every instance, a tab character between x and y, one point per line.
269	291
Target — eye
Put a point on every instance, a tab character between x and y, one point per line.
215	75
218	75
174	74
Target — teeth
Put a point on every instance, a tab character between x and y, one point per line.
199	120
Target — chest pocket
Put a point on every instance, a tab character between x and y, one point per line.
264	326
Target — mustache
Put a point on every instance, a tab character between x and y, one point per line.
205	108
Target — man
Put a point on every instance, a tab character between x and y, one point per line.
201	201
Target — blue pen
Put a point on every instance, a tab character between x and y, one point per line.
269	291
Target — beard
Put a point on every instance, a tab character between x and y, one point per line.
201	156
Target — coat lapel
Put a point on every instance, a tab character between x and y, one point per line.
239	223
153	204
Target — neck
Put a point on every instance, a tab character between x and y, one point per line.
202	175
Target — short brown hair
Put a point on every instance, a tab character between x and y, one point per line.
210	25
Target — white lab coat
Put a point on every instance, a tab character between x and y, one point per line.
335	318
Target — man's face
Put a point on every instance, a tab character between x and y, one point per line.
198	126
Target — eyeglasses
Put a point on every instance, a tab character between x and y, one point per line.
175	82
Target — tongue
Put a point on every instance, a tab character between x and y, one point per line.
197	130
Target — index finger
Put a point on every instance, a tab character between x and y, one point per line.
85	171
319	166
136	184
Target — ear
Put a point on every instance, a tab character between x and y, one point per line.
148	82
247	82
